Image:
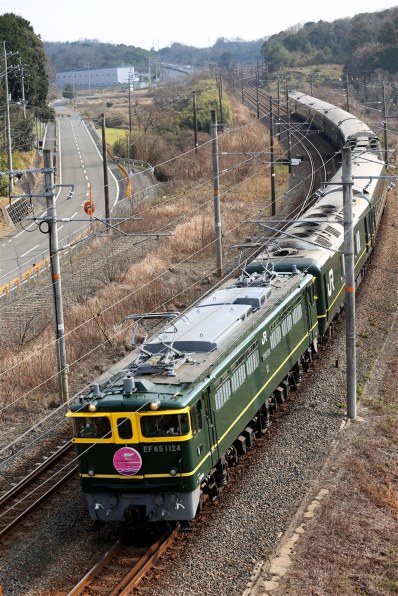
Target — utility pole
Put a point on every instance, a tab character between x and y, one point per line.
289	140
385	124
23	89
257	86
349	284
8	126
129	135
105	167
216	193
89	78
129	105
279	98
271	149
220	100
347	89
195	121
51	220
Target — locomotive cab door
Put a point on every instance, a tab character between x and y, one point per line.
211	426
310	309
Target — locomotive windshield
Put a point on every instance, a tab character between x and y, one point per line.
92	427
165	425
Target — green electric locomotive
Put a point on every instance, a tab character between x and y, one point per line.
156	436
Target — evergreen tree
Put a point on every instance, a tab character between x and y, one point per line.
21	40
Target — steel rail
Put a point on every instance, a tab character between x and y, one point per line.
25	500
133	577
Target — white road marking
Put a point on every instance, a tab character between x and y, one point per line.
30	250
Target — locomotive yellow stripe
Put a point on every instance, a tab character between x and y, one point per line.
136	477
208	454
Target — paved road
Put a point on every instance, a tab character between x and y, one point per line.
79	162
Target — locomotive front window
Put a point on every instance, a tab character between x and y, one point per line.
98	427
124	428
165	425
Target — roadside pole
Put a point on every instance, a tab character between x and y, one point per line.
216	192
51	220
105	169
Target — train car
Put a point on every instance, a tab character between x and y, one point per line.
315	243
340	126
157	436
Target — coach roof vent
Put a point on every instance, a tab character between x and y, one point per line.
316	215
285	252
323	241
307	224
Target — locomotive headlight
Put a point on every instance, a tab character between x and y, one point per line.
154	405
92	407
173	471
91	472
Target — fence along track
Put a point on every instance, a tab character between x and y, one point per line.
122	568
36	487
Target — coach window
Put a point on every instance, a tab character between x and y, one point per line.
124	428
342	261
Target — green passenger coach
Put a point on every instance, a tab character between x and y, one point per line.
157	435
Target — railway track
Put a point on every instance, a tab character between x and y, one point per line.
36	487
123	566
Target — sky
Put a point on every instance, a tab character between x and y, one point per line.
160	23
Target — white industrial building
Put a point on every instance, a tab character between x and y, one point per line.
101	77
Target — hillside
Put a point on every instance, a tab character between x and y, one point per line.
76	55
367	43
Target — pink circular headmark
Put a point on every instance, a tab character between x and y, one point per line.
127	461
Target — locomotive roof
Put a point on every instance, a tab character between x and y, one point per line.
199	341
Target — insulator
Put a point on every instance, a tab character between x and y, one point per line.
128	384
95	388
